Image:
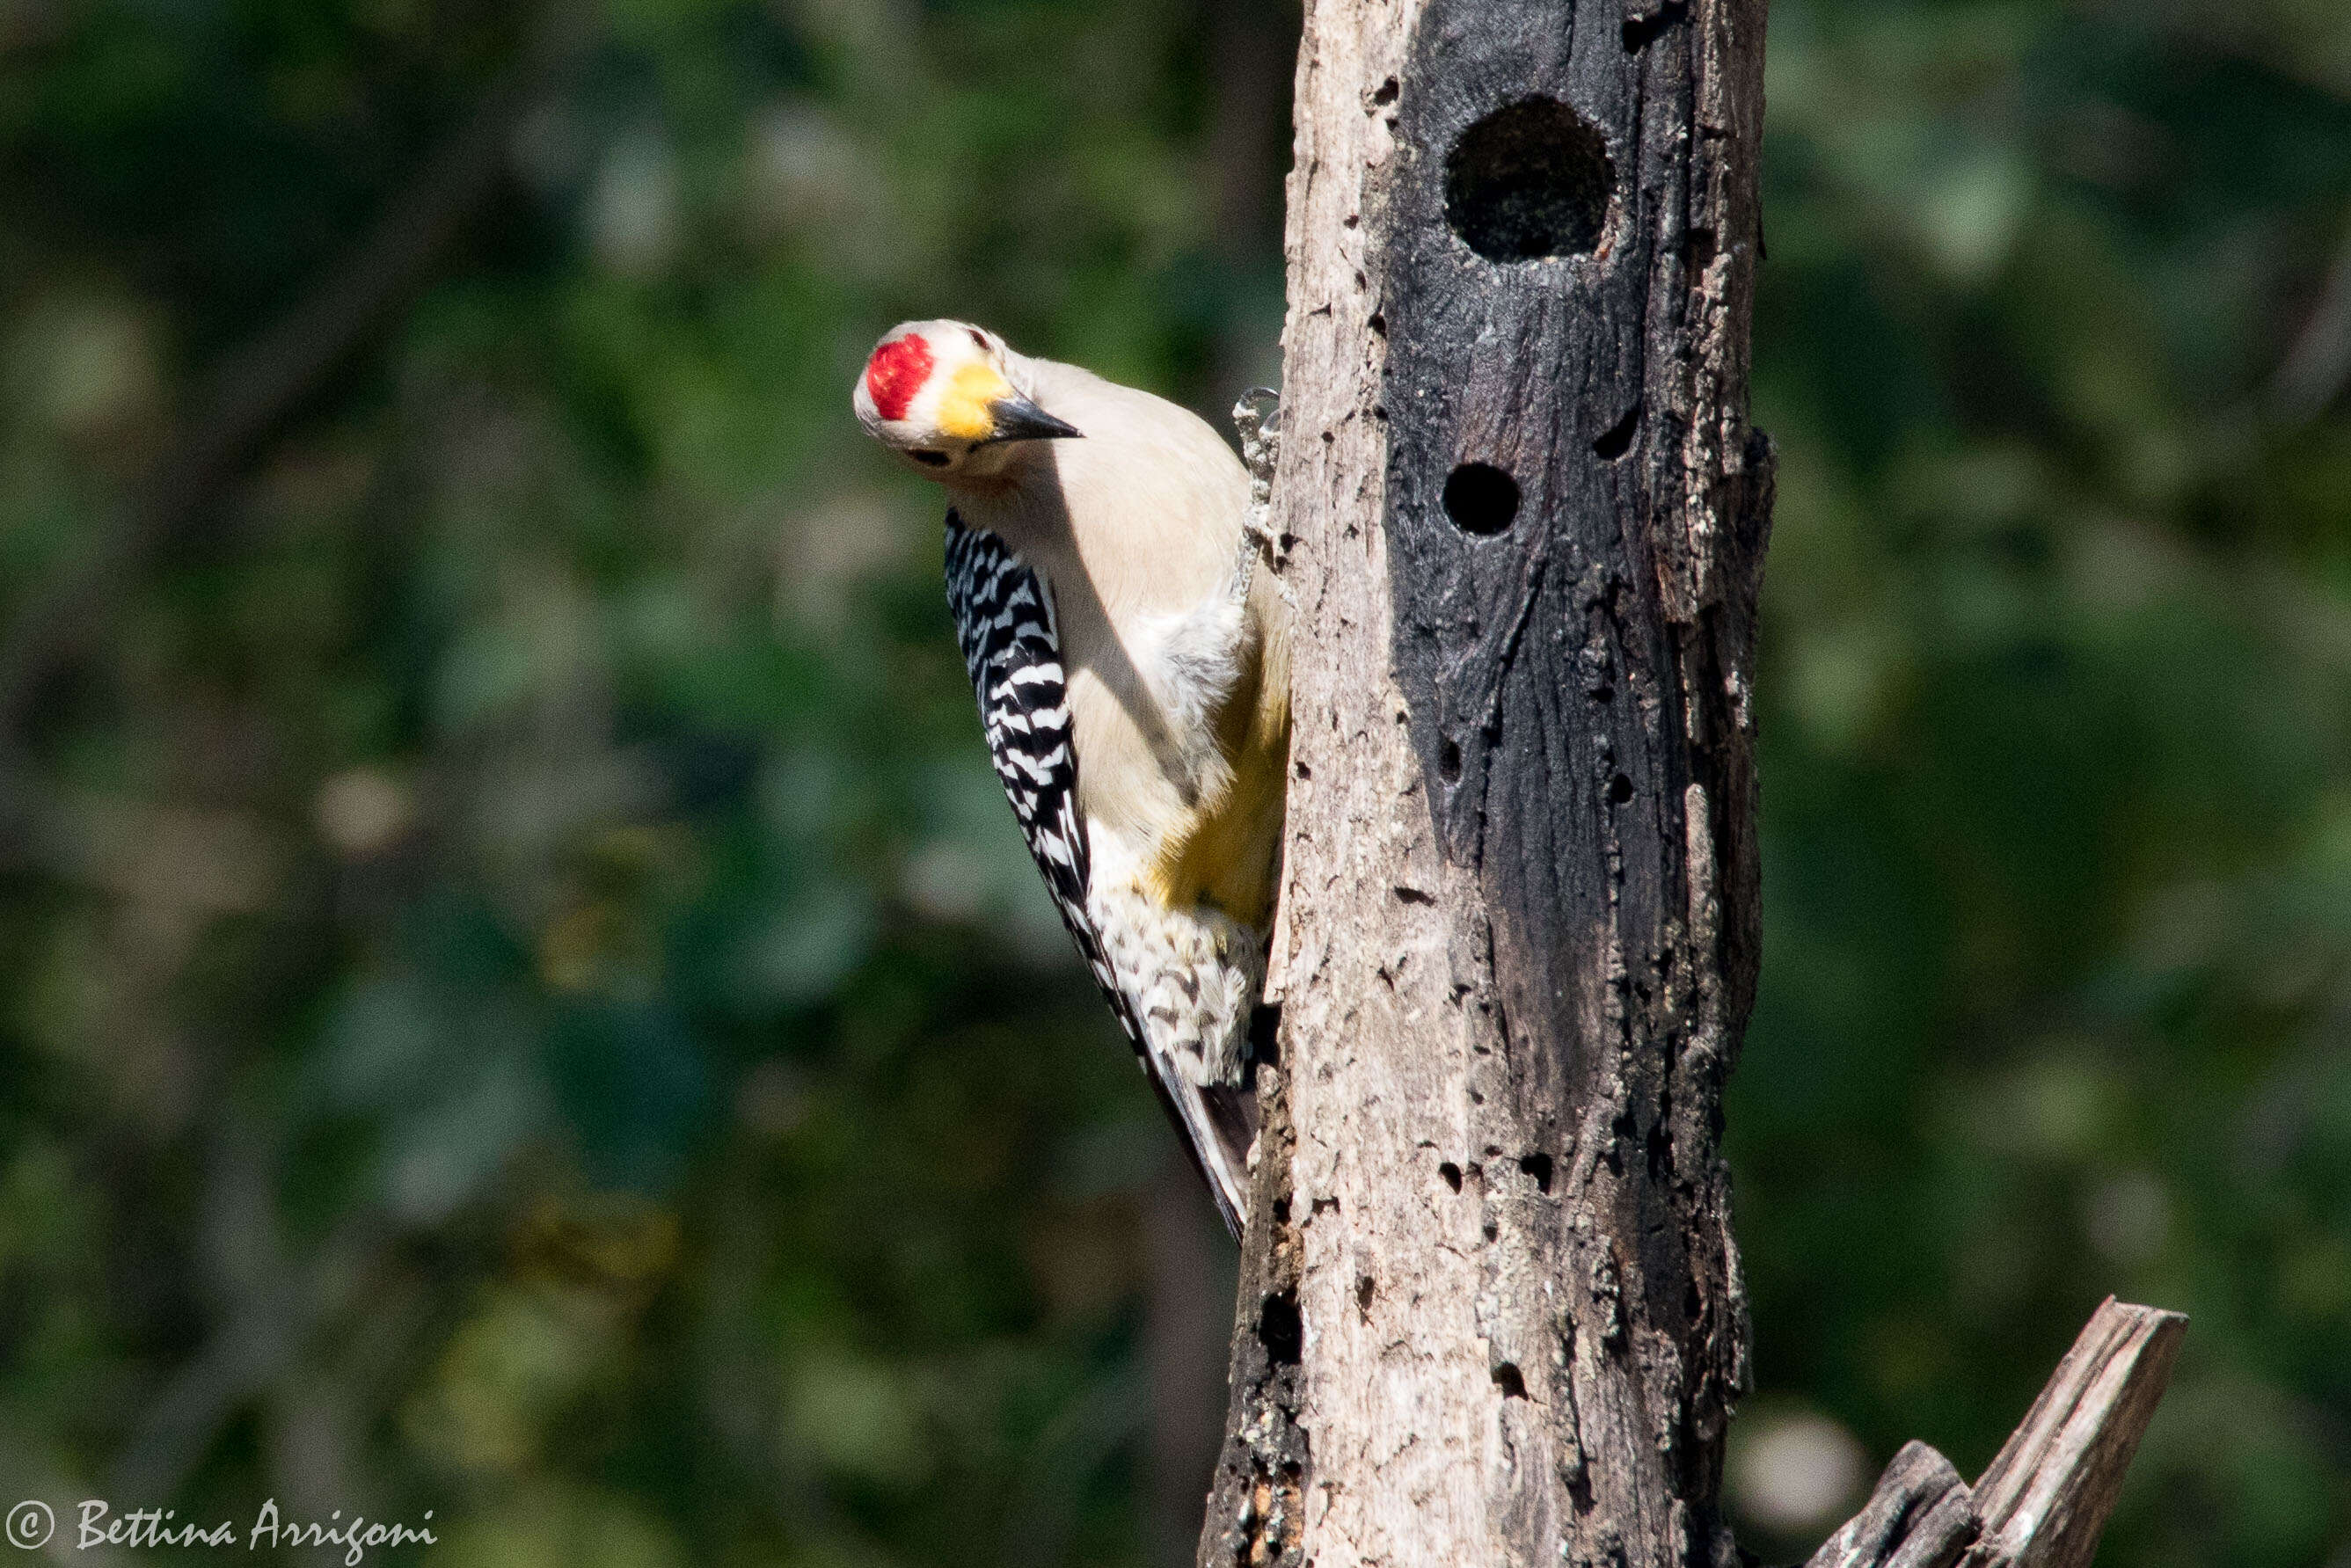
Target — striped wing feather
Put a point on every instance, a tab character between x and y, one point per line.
1004	622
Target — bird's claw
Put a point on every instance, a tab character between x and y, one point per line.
1260	433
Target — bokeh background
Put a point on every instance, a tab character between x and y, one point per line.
519	996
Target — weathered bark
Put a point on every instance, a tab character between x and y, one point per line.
1921	1516
2046	1495
2043	1500
1490	1311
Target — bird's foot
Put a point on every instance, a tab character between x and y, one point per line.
1258	417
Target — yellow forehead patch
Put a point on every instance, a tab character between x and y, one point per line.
963	406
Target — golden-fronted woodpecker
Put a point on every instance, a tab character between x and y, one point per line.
1132	671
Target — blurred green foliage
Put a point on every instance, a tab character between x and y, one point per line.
2057	748
522	997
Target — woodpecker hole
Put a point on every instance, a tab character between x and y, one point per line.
1452	1174
1539	1167
1449	760
1620	789
1364	1290
1508	1379
1640	32
1480	498
1617	439
1280	1330
1697	254
1529	180
1265	1035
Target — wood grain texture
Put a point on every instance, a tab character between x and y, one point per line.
1521	869
2046	1496
1922	1515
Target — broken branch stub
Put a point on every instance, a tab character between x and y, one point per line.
1921	1516
2045	1498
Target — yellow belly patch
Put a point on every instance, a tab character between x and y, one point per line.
1228	854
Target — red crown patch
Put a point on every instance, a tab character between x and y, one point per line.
897	371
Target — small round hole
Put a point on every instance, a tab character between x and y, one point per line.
1530	179
1480	498
1281	1328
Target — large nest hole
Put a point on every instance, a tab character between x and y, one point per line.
1480	498
1530	179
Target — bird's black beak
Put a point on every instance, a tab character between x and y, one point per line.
1017	419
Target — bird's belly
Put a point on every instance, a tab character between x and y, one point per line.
1227	854
1184	744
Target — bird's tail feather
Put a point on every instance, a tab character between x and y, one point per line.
1219	1123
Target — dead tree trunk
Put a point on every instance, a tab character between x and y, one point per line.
1490	1309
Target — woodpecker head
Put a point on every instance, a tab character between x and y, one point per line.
942	393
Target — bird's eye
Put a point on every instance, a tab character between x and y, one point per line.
933	459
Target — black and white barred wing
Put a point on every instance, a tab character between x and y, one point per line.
1004	621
